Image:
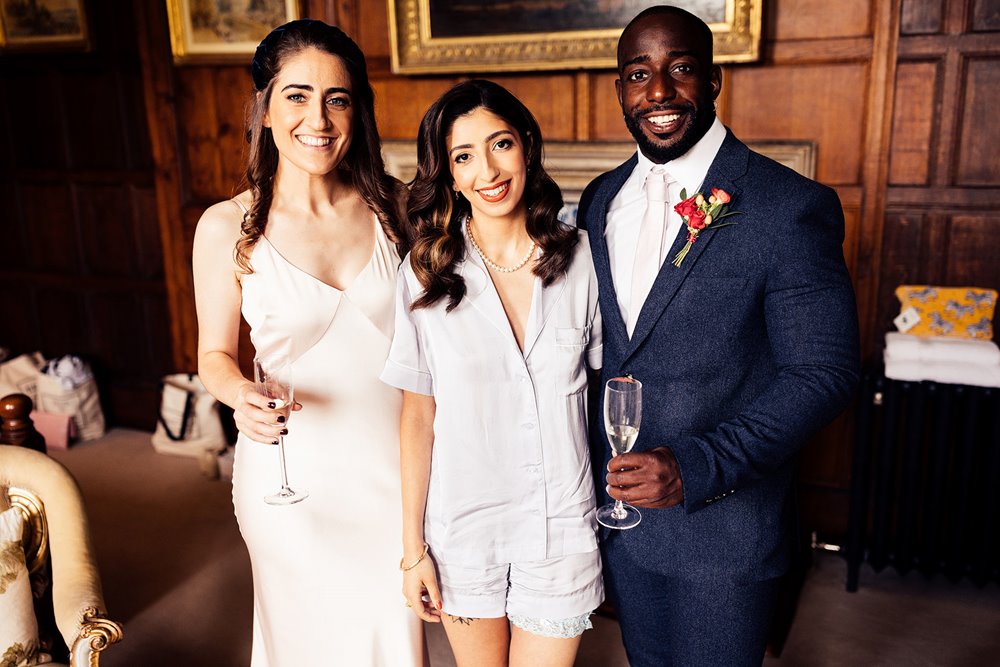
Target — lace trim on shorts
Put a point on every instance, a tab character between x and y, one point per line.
560	628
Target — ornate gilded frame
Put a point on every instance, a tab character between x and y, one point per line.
188	48
415	50
78	38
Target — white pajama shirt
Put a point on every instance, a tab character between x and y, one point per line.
510	473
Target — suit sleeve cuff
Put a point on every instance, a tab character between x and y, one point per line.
695	471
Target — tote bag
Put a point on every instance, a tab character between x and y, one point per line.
20	376
188	423
82	402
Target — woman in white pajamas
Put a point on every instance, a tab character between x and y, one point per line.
496	323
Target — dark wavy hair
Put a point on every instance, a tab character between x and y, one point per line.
438	216
383	193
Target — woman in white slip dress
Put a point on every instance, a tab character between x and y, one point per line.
309	256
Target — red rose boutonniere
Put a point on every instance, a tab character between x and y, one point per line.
698	213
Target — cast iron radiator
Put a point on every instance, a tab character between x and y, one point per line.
925	485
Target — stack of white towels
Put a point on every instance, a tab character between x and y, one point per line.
942	359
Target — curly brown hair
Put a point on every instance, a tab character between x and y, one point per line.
437	216
383	193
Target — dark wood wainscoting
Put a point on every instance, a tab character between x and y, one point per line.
898	96
81	261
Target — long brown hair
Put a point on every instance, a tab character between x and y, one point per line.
383	193
438	217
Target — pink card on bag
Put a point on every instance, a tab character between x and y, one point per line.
58	430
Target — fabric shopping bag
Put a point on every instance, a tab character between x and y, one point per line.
20	376
188	423
78	398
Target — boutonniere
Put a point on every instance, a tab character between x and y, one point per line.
698	213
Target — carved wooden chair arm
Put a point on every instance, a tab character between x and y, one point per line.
96	634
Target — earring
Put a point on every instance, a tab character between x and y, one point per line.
457	195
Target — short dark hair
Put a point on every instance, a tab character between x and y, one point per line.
699	26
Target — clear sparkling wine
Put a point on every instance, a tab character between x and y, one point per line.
622	418
273	380
621	437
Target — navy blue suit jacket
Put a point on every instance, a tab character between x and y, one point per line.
744	351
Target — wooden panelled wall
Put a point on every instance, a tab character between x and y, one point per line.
896	94
942	221
81	266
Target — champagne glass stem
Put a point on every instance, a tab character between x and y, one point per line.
619	511
281	459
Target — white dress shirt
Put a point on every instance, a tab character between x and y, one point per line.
510	469
626	209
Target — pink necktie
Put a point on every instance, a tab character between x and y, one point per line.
647	252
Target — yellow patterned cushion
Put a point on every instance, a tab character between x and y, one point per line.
961	312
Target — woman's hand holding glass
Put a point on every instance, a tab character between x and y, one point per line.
273	379
255	419
420	587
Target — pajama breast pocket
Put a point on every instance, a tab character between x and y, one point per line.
570	370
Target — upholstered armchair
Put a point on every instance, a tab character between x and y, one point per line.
58	555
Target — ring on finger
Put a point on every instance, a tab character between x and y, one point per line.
408	604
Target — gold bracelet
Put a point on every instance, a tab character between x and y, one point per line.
415	563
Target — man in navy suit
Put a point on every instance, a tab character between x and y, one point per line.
746	347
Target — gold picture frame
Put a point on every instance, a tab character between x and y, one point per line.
573	165
43	25
439	39
202	33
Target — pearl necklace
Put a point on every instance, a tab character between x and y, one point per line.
489	262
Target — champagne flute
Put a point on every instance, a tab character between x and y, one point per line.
273	379
622	414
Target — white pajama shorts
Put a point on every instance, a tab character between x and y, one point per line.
552	597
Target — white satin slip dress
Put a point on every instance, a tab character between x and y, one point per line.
326	570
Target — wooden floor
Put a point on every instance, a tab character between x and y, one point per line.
176	573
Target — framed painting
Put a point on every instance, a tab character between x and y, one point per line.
434	36
40	25
220	31
575	164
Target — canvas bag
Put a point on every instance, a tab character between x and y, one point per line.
188	423
20	376
82	402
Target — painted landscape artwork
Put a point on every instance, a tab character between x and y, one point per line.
223	30
40	23
232	21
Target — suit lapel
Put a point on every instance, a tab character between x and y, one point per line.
729	165
614	326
